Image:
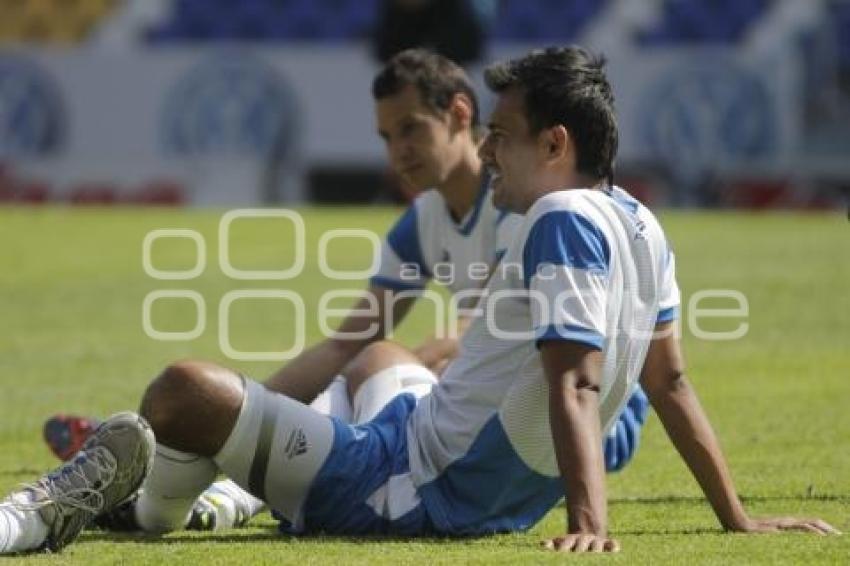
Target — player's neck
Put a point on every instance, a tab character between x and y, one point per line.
567	182
462	185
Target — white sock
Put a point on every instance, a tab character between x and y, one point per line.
175	482
20	530
334	400
241	499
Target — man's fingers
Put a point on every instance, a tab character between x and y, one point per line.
808	527
815	526
580	543
822	527
818	526
826	527
559	544
583	543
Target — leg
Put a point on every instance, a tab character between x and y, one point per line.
226	505
379	373
213	416
191	407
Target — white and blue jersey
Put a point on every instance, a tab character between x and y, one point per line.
476	455
588	266
426	243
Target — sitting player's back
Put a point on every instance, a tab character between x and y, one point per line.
588	265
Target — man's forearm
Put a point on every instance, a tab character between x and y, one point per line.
312	371
574	416
691	433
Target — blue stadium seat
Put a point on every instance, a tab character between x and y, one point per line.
697	21
548	20
839	16
682	21
253	20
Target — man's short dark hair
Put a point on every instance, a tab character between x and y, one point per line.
566	86
436	78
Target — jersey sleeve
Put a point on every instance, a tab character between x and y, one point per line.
401	265
566	261
669	298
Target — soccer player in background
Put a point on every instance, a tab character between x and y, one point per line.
581	308
428	116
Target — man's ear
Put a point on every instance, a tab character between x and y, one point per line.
461	110
556	143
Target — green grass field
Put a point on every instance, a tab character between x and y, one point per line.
72	287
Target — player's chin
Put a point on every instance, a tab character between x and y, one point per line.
419	181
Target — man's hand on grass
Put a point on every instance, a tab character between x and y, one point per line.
581	542
777	524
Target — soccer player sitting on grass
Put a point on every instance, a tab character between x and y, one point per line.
427	114
579	310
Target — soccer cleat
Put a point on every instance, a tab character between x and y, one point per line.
217	511
66	434
109	468
121	518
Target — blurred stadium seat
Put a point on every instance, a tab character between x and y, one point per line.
515	20
545	19
839	16
266	20
717	21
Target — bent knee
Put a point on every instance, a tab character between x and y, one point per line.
168	392
189	396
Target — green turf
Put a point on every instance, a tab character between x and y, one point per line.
71	292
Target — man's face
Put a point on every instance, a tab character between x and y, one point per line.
510	153
420	144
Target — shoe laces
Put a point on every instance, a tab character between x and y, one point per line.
76	485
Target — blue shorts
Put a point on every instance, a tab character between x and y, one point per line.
363	459
489	490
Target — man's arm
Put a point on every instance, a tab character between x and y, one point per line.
663	379
436	353
573	372
313	370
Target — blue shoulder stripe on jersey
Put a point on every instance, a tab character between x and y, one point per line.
668	314
624	199
564	237
469	225
404	240
395	284
569	332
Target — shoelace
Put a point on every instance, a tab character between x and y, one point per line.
70	487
